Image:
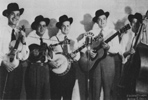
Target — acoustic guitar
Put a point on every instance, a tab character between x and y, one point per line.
86	62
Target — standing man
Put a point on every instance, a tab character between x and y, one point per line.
130	70
62	84
103	73
37	73
127	40
10	53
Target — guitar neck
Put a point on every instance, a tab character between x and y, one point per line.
79	49
113	36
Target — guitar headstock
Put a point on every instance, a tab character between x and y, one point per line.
125	28
146	15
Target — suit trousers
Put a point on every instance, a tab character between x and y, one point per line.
11	83
62	86
37	81
102	77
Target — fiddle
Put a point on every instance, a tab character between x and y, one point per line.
15	47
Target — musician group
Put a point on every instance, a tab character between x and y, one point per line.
52	61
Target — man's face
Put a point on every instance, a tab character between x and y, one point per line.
135	25
65	28
102	21
13	17
41	28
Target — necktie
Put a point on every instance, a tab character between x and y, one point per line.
101	33
65	47
41	41
13	35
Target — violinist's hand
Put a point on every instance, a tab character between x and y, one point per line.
9	66
23	34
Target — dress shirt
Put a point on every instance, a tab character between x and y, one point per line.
71	47
33	38
5	39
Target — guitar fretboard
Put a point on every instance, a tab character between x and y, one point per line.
79	49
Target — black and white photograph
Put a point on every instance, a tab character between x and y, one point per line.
73	49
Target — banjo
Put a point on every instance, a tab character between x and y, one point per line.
65	66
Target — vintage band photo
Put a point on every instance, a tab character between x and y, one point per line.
73	49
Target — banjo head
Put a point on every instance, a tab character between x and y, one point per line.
64	67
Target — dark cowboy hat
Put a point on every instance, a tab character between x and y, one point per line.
12	7
138	16
37	20
99	13
62	19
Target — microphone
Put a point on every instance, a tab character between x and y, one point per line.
88	40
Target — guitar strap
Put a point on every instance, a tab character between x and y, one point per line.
67	55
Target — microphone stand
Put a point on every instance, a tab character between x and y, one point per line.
87	80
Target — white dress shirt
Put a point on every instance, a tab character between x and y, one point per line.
33	38
71	47
5	39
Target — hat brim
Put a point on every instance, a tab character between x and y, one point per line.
58	24
130	17
96	17
6	12
35	23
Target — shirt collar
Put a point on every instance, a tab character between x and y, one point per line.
61	35
45	36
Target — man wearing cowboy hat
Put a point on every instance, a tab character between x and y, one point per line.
127	40
127	43
62	85
10	76
103	74
37	73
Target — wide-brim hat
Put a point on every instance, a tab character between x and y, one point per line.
138	16
99	13
37	20
62	19
12	7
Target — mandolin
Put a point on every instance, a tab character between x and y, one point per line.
39	52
